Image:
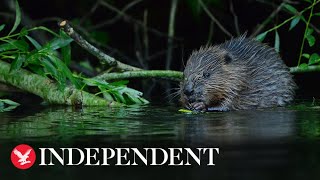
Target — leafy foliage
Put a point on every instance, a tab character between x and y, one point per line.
313	58
117	91
52	60
7	105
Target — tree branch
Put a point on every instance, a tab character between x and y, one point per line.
48	90
171	32
214	19
299	69
104	58
163	74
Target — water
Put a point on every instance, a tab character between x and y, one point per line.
279	143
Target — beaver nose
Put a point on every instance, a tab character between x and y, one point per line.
188	90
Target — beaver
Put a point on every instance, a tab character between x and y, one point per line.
239	74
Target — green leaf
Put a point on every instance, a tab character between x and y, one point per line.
96	82
294	22
303	66
46	29
34	58
18	18
23	32
186	111
49	68
120	83
34	42
317	14
306	55
261	36
118	90
309	31
65	70
65	50
2	27
290	8
14	44
37	69
144	101
106	95
6	47
17	63
311	40
9	102
7	105
277	42
118	97
66	54
314	59
57	43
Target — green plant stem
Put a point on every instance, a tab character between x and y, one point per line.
177	75
48	90
165	74
288	20
305	33
29	30
298	70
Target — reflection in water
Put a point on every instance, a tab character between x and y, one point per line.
153	122
242	126
260	144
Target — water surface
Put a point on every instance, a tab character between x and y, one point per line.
278	143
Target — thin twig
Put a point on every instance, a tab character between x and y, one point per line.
145	37
104	58
305	32
119	14
138	46
214	19
265	22
92	10
235	18
171	28
210	35
112	50
317	30
130	19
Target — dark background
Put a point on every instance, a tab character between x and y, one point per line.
124	38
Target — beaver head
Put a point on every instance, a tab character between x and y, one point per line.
211	80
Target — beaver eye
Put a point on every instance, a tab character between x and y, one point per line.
206	74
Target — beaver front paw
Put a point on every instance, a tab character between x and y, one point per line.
198	106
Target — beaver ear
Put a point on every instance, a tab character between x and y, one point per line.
228	58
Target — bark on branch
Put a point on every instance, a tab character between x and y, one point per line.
165	74
104	58
48	90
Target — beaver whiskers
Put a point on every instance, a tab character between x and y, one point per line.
239	74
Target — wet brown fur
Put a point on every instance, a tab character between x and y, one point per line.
239	74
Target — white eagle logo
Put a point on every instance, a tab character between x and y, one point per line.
22	158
